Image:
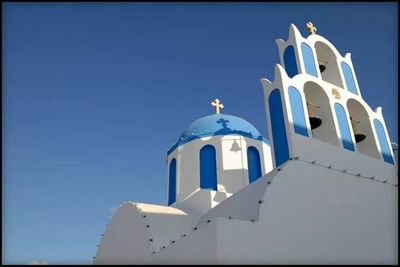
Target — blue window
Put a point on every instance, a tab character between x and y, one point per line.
344	127
172	182
348	77
254	164
296	105
281	149
385	149
308	59
208	168
289	58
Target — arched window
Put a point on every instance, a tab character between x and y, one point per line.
349	79
362	124
344	127
318	106
254	164
308	59
289	59
172	182
385	149
328	65
281	149
296	105
208	168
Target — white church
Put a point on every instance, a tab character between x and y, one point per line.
322	188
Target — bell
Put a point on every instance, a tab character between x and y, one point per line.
315	122
322	68
358	135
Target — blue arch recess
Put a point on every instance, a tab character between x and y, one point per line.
344	127
281	149
208	168
308	59
348	77
299	122
172	182
254	164
289	58
385	149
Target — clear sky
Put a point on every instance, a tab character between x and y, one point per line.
95	94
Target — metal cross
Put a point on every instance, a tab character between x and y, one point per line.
311	28
216	103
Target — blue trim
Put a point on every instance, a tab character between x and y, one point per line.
348	77
281	149
385	149
208	168
296	104
289	59
172	182
344	127
308	59
194	137
253	164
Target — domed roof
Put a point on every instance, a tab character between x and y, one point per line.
218	124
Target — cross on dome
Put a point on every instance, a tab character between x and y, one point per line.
311	28
217	104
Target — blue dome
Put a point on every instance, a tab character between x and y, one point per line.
218	124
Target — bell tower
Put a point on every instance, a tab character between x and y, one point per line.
315	110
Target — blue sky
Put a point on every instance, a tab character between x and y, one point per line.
95	94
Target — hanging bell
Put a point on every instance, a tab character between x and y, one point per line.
322	65
315	121
358	135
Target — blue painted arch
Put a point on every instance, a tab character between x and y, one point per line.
208	168
172	182
281	148
308	59
349	78
296	106
345	133
385	149
253	163
289	58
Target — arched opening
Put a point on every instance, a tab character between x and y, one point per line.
328	65
383	143
289	58
172	182
253	163
344	128
349	78
296	106
318	107
308	59
281	148
362	126
208	168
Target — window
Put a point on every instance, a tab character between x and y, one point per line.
344	127
172	182
308	59
208	168
349	79
289	58
253	163
385	149
296	105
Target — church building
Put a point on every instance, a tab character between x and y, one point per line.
321	188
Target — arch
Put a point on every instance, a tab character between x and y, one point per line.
383	143
357	112
315	95
296	106
289	58
327	57
308	59
344	127
253	163
349	78
172	182
208	168
281	149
